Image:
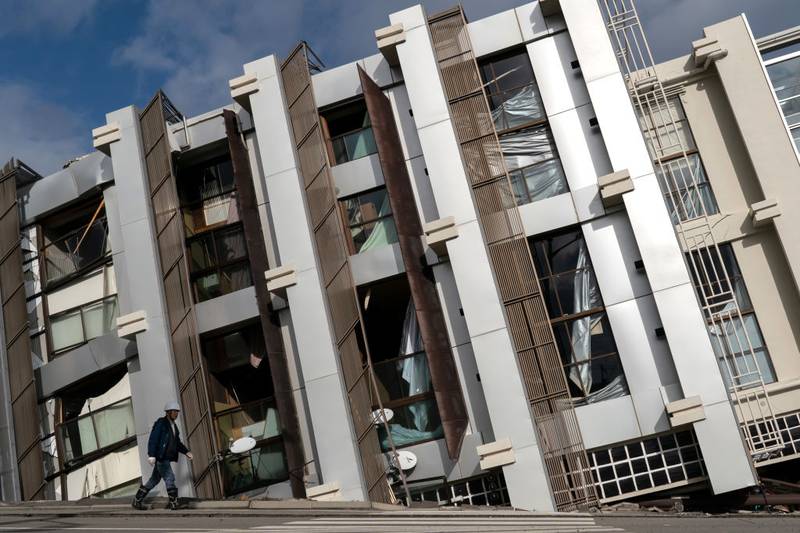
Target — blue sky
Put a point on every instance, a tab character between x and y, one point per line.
65	63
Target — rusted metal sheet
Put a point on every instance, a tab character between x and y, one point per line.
526	315
170	238
276	355
331	249
17	344
444	373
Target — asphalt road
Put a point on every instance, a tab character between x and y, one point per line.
715	524
136	523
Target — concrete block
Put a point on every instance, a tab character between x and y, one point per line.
131	324
764	212
498	453
613	186
325	492
438	232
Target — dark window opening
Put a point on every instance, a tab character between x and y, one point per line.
577	314
369	218
348	133
400	364
735	337
243	404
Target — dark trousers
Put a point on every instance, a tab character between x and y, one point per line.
162	470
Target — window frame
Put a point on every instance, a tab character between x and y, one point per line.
218	267
84	459
54	353
332	139
351	245
663	166
519	173
546	280
490	93
734	281
405	401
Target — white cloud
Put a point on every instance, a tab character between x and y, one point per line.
58	17
42	134
193	49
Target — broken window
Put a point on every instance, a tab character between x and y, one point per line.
79	325
244	406
96	416
575	308
513	96
207	195
74	241
400	364
218	262
349	133
369	217
735	337
533	164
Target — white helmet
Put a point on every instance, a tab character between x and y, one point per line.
172	406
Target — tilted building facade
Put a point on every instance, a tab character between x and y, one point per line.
512	255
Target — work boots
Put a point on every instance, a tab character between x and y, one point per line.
173	499
138	499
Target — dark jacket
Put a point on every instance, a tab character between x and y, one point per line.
158	445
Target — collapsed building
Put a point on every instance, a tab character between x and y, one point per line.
501	262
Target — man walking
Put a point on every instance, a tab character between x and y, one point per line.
162	449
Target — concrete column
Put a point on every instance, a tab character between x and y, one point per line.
319	361
136	262
527	481
728	465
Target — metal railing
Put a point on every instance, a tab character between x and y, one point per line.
720	306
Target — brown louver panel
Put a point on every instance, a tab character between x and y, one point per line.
331	251
22	387
444	374
510	257
257	254
177	291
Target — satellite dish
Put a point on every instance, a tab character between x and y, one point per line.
245	444
377	419
405	460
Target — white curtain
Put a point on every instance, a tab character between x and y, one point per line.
414	370
586	296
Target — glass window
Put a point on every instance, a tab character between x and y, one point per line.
533	165
77	326
100	429
575	307
350	132
683	180
369	217
405	388
735	336
261	466
514	98
80	249
785	77
688	193
218	262
206	181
